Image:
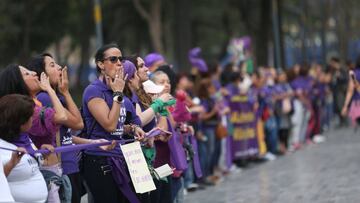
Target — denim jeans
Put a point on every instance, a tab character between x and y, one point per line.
271	132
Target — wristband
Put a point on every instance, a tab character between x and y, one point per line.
157	105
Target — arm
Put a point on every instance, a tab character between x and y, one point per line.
74	120
145	116
60	114
15	159
107	118
349	94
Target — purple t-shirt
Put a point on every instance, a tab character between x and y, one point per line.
99	89
68	159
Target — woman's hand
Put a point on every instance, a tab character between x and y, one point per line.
105	147
63	81
14	160
16	156
44	82
139	133
118	84
344	111
48	147
165	97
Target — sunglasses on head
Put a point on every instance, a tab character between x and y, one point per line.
114	59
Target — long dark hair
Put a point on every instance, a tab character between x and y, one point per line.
15	111
144	98
37	63
12	82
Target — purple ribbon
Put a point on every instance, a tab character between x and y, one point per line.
156	132
196	159
70	148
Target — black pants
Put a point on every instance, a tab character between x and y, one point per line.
98	177
162	194
284	136
77	187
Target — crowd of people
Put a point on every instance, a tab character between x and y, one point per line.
213	120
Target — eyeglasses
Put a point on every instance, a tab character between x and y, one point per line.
114	59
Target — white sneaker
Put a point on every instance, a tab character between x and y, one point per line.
270	156
235	169
185	192
319	138
193	186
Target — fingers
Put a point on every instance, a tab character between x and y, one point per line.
113	145
120	72
64	74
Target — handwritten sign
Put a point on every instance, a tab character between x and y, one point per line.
138	169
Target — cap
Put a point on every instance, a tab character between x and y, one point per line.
152	88
152	58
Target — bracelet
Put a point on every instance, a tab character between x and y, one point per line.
117	93
133	128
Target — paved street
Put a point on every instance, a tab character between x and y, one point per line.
328	172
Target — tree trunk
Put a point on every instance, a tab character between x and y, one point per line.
262	35
182	34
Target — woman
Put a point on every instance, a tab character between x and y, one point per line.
283	110
18	79
22	171
147	110
59	81
171	152
352	99
104	105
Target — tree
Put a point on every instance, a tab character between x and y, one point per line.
153	18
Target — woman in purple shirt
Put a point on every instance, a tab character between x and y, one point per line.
104	109
18	79
59	81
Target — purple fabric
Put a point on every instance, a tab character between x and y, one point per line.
177	152
196	159
208	105
216	84
69	163
99	89
152	58
196	60
302	83
25	142
44	128
78	147
129	69
121	177
229	158
156	132
242	146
